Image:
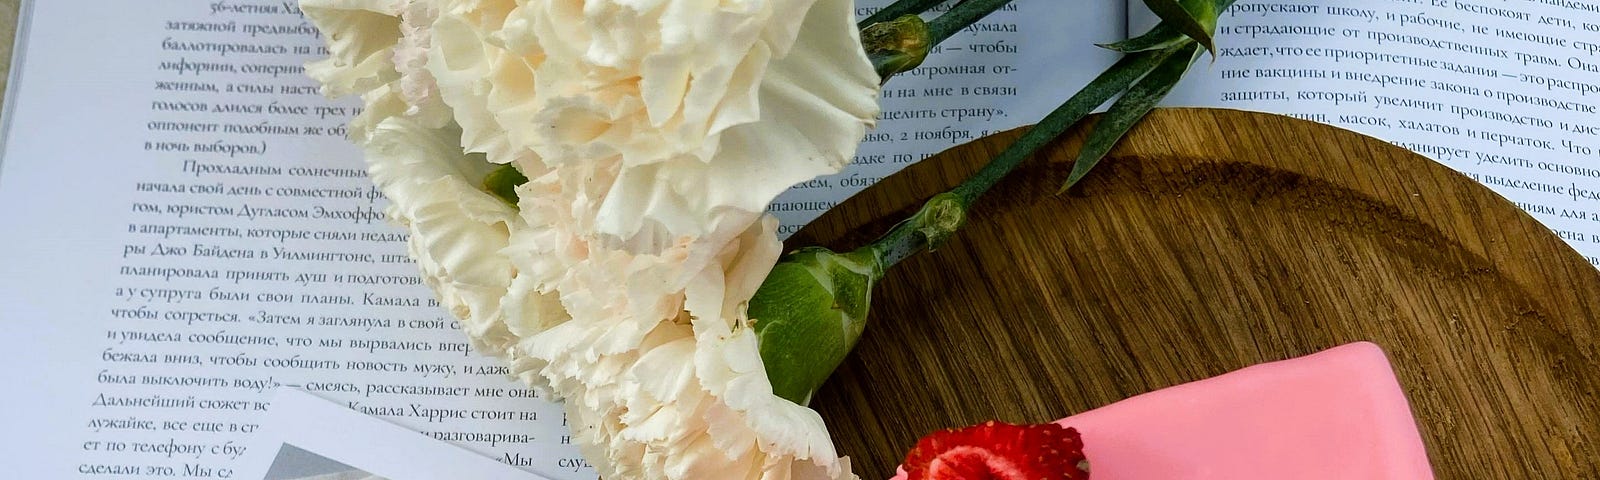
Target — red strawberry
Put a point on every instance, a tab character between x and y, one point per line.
999	451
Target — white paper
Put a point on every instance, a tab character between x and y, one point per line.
120	350
305	437
1505	92
185	230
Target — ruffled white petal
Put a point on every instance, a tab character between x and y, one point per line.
813	113
456	231
361	35
672	95
418	88
686	392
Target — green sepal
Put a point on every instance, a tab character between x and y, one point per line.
808	314
503	183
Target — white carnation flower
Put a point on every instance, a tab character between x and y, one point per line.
674	96
669	383
652	134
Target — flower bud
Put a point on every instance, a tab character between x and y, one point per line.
896	45
809	313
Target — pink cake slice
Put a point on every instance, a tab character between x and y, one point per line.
1337	414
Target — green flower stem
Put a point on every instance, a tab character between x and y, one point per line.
960	16
944	213
939	218
812	307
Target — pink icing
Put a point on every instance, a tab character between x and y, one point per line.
1337	414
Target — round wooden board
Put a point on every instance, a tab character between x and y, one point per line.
1212	240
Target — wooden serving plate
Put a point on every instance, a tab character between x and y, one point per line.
1211	240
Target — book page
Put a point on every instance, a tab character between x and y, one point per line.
185	229
1504	92
305	437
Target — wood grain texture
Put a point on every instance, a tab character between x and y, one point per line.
1209	241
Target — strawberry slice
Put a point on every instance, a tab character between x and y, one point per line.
999	451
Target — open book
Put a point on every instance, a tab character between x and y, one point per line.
185	229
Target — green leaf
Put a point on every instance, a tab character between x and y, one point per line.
503	183
1128	110
1195	18
1161	37
1115	80
1164	35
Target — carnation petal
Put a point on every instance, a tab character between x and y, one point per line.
456	231
361	35
815	105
